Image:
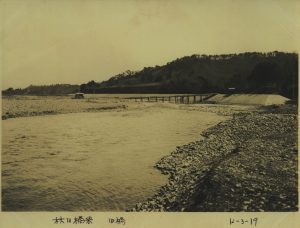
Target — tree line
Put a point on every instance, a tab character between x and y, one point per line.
56	89
250	72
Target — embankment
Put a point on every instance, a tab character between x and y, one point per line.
249	99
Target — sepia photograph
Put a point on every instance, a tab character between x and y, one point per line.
149	106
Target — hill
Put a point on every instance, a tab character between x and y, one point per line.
250	72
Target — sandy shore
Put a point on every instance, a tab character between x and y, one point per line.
248	163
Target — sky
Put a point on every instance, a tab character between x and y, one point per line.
74	41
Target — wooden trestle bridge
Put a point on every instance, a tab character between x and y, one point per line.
182	98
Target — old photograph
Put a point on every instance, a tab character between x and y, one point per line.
149	106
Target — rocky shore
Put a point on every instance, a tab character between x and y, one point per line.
248	163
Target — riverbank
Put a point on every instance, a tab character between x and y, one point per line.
24	106
248	163
21	106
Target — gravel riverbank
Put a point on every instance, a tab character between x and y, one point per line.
21	106
248	163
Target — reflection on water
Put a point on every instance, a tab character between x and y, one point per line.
91	161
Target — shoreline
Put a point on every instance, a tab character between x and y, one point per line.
41	106
232	168
44	113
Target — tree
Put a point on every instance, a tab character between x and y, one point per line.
266	77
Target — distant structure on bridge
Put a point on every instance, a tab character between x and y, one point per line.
79	96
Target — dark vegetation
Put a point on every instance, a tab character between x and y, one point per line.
250	72
58	89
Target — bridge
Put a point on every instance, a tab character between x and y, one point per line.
182	98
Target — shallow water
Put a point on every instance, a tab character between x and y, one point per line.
91	161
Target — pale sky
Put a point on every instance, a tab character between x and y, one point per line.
75	41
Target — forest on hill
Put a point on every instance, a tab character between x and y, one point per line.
250	72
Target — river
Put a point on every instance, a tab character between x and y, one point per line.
100	161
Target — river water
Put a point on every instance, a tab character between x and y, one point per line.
91	161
